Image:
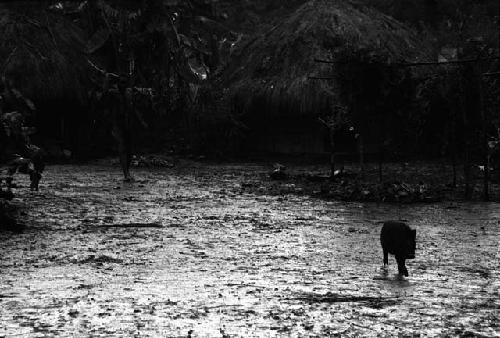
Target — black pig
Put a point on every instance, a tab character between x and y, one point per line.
398	239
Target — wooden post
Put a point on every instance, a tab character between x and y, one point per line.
332	154
382	137
454	148
484	130
380	161
361	150
467	165
62	130
466	132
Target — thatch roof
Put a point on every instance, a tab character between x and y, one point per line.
41	53
272	70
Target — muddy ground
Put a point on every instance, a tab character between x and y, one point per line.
221	261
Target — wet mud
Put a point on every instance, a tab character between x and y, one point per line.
188	252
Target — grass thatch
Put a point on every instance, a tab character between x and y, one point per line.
41	53
272	70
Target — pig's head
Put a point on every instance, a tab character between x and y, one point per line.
411	244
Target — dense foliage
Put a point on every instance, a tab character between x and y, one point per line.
172	52
69	55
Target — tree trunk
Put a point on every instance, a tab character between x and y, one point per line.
454	164
332	165
215	59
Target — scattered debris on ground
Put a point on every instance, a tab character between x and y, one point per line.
329	297
279	172
131	225
152	161
409	183
235	261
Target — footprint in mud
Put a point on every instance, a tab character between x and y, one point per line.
394	285
394	279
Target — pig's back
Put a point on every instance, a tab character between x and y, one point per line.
393	235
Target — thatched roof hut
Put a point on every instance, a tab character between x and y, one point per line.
272	70
41	53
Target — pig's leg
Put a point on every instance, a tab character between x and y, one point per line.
386	257
401	266
35	179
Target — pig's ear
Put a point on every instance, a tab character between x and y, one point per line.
414	232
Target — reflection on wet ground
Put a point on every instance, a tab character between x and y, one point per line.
221	262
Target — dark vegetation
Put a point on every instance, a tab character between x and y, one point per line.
338	79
